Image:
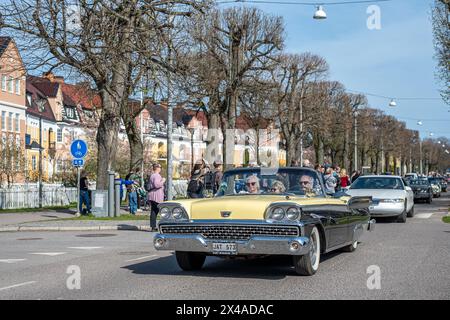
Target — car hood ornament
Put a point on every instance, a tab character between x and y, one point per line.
225	214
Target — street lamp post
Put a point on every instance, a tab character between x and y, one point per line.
421	157
169	119
301	134
40	161
355	165
192	131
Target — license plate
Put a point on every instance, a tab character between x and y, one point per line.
224	248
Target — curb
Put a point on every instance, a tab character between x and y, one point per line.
96	228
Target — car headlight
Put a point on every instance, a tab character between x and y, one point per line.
293	213
177	213
165	213
277	214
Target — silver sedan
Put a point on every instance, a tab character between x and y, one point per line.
391	196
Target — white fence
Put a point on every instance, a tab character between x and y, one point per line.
27	196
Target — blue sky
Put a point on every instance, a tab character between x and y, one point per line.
396	61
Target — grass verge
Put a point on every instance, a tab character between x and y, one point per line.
27	210
124	217
446	219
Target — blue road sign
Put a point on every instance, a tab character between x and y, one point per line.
78	149
77	162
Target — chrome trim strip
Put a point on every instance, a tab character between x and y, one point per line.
235	221
261	245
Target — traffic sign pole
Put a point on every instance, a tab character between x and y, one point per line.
78	149
78	189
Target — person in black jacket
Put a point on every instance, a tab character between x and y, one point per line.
84	194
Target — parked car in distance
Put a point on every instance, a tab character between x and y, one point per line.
435	186
411	176
443	183
422	189
263	211
391	196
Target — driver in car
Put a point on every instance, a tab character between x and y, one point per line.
306	184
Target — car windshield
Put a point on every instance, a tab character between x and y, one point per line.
266	181
377	183
434	180
420	182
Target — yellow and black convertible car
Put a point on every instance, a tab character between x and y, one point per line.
260	212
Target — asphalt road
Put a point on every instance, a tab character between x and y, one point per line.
413	259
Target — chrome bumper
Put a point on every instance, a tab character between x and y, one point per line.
259	245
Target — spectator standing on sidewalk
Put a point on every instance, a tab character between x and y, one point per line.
132	192
218	174
345	180
135	175
196	184
84	194
155	187
355	175
330	181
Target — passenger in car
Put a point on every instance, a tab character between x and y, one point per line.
278	187
252	184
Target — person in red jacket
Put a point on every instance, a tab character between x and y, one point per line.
345	180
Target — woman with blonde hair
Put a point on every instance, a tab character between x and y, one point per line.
345	180
277	187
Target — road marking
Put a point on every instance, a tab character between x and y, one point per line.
142	258
12	260
85	248
49	253
423	215
17	285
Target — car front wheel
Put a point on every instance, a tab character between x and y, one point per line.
308	264
402	218
411	212
190	260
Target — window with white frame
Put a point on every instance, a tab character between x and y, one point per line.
3	120
17	122
3	82
17	87
10	121
70	113
10	85
33	162
59	137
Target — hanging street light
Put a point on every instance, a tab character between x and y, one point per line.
320	14
392	103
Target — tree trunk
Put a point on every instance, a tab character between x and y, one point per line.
345	152
291	148
108	129
107	136
136	145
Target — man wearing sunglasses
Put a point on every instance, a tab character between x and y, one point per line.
306	183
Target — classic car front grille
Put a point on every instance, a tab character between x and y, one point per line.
231	232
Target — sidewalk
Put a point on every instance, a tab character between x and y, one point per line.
53	220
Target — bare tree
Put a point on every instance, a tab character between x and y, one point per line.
441	30
293	77
239	41
105	40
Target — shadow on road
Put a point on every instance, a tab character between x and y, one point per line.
268	268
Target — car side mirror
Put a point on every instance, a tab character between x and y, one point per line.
356	203
408	188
